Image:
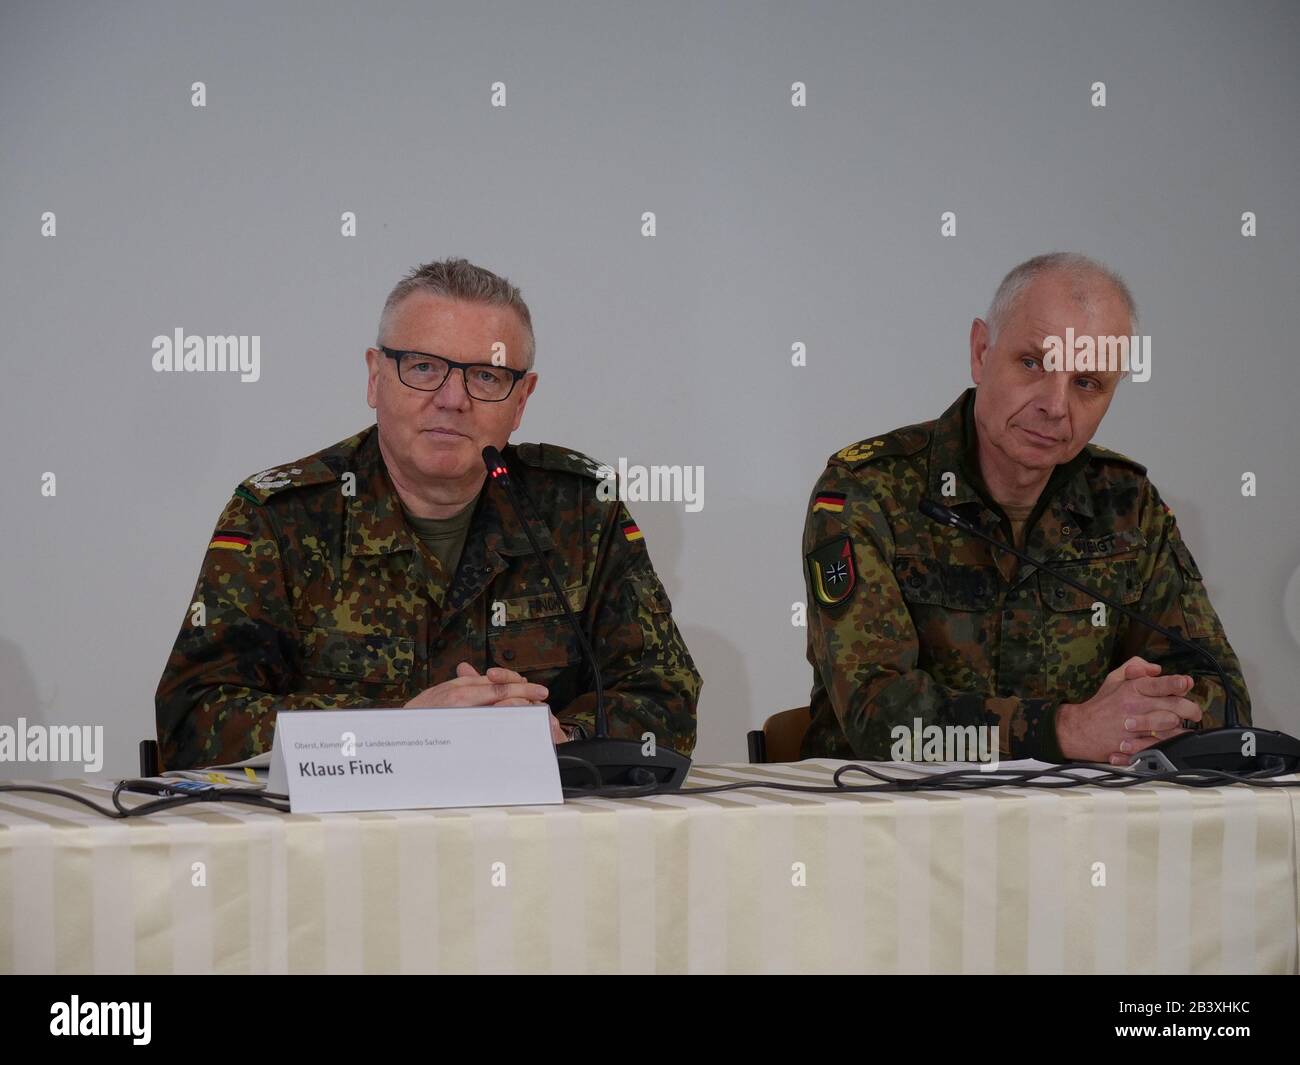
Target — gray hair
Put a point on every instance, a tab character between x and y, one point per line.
459	279
1082	272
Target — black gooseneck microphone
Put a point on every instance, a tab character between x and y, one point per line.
1221	748
599	765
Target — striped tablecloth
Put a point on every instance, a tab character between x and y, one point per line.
1153	879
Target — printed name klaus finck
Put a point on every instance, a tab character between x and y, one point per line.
353	768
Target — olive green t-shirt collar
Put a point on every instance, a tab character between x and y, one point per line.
442	527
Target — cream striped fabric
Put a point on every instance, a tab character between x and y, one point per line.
747	881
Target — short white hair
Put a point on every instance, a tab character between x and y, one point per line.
1079	269
459	279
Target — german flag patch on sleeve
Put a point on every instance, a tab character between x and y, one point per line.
229	541
631	533
831	502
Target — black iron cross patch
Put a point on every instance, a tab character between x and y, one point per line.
831	572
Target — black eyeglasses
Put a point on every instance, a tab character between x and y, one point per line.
483	380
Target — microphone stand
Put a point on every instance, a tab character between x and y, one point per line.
600	765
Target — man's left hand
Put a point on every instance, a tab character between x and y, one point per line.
501	675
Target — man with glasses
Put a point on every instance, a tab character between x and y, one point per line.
385	571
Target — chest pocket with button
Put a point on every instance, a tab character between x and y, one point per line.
1109	565
1116	579
1079	632
953	609
361	658
537	636
929	582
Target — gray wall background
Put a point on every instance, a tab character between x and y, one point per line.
776	225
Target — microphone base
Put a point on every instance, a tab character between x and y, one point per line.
620	763
1220	749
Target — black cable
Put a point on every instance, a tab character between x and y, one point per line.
64	795
1109	778
264	800
580	763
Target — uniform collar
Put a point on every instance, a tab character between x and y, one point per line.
948	455
377	525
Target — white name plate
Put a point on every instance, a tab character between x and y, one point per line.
342	760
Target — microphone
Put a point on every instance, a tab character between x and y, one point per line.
612	766
1221	749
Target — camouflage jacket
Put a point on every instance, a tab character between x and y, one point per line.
912	619
320	597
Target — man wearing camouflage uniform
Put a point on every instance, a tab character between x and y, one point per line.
383	571
910	619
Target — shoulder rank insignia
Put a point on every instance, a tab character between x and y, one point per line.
276	477
309	471
554	457
831	572
859	452
906	441
599	470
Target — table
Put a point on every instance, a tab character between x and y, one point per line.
1152	879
